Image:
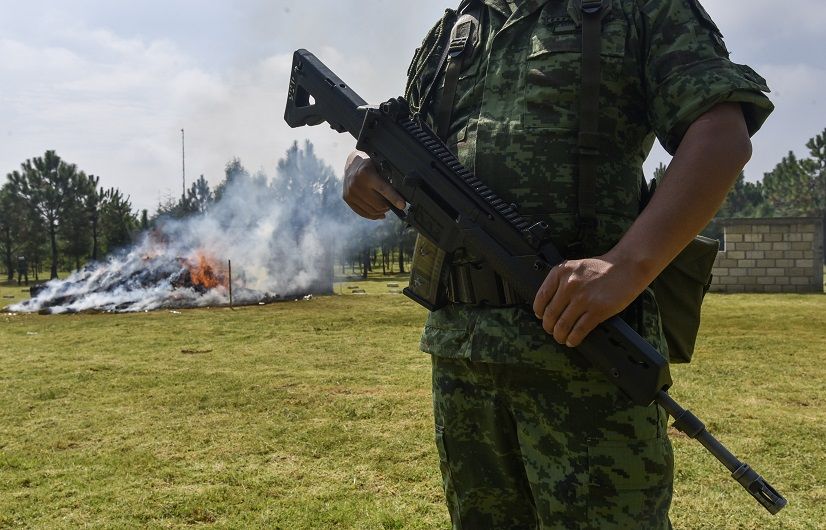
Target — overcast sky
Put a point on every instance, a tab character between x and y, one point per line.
110	84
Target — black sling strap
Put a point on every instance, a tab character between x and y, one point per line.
588	140
443	50
460	46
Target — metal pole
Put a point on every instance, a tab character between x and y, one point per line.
183	166
229	266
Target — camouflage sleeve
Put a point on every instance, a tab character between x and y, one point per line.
687	71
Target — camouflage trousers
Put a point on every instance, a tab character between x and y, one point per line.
522	447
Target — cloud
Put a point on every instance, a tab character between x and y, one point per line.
799	101
767	18
110	87
115	106
796	82
91	98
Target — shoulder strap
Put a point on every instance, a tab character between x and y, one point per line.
588	140
462	37
424	101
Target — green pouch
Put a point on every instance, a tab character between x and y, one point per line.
427	275
679	291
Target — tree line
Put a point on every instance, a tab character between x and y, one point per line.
304	179
55	216
52	213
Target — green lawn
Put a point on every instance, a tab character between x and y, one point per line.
316	414
11	293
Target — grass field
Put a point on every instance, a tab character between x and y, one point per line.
316	414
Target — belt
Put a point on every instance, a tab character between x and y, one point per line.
478	284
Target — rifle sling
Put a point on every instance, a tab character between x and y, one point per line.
593	12
460	47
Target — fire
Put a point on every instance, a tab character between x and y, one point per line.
205	272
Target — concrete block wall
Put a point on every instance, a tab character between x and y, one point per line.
783	255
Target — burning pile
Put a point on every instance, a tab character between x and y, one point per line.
285	253
201	274
143	279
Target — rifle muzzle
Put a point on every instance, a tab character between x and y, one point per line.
759	489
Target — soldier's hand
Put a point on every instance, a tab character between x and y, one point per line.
365	192
577	295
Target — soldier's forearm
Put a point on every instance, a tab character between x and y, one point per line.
713	152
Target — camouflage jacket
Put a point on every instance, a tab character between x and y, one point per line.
515	121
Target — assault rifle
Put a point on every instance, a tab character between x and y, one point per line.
454	209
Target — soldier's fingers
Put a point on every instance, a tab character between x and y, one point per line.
372	204
375	189
393	197
554	310
558	302
370	216
546	292
584	325
565	323
364	210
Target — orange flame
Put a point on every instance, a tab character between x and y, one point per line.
206	273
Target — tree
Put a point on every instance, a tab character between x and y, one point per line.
144	219
788	188
233	171
93	199
34	242
406	241
199	196
76	228
659	172
303	178
310	188
815	167
169	207
47	185
797	187
117	220
12	219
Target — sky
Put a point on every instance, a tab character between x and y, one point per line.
110	84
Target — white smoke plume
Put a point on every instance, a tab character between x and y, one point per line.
278	236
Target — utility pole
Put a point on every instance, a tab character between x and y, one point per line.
183	166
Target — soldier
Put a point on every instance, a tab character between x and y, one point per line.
22	270
555	105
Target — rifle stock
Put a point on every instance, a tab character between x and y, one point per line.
454	209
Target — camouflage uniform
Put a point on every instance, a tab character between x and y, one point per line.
529	435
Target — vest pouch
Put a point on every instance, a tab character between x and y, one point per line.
427	275
679	291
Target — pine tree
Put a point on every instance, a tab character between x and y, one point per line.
12	219
76	227
117	220
199	196
310	188
47	184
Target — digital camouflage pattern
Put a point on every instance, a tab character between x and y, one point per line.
502	387
515	116
516	111
542	440
553	449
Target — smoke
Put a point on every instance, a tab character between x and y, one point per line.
279	236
